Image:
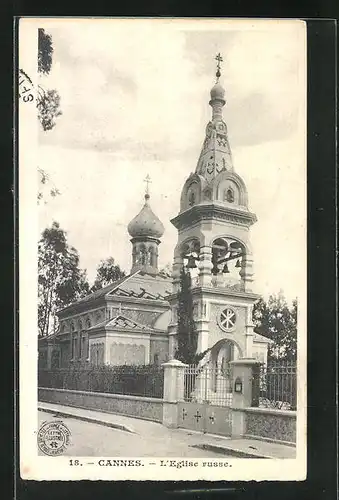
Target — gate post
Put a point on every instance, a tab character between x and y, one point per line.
174	375
243	370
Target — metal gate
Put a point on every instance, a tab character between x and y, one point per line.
207	405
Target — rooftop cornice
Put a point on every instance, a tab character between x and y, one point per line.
205	211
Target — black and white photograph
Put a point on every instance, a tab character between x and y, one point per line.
162	230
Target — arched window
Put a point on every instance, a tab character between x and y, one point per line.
150	255
142	255
191	199
229	195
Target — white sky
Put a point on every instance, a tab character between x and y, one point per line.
134	97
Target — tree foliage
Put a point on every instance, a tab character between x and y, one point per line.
48	101
45	182
60	280
45	52
186	333
107	272
48	105
277	321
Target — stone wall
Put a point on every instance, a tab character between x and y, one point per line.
132	406
159	351
275	425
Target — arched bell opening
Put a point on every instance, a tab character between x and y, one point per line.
190	251
228	257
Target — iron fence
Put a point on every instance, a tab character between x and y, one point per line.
145	381
208	384
278	385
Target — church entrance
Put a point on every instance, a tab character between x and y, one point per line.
207	405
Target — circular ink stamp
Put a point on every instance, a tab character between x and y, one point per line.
53	438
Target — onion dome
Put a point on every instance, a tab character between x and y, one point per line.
217	92
146	223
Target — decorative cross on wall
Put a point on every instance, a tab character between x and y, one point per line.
197	416
212	418
184	413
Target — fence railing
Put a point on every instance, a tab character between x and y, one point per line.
208	385
277	385
145	381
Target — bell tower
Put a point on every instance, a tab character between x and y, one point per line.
213	243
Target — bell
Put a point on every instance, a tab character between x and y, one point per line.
238	263
191	262
225	268
215	270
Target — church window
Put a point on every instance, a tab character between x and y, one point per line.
87	347
229	195
74	347
83	352
191	199
208	194
227	319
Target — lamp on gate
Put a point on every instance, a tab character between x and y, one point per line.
238	385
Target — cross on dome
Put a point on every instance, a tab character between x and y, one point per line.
219	60
148	181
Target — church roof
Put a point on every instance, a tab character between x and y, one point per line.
144	286
136	285
120	322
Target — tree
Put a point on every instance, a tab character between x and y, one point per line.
277	321
60	280
48	102
186	333
44	180
107	273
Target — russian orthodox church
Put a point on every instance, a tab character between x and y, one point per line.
134	320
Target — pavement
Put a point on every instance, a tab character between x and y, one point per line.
154	439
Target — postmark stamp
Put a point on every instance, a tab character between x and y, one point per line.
25	87
53	438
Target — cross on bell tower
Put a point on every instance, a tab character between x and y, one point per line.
219	60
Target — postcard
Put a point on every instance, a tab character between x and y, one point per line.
162	249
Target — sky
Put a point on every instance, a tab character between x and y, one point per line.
134	97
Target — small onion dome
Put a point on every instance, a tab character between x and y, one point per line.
146	223
217	92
